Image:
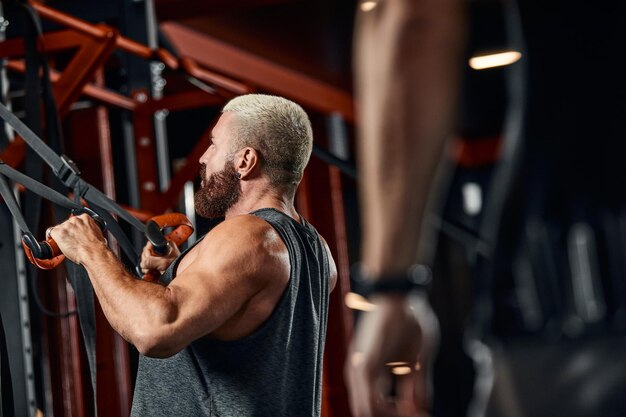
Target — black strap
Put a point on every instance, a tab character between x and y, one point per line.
38	188
14	208
38	150
32	94
70	176
67	174
79	279
123	241
32	139
65	170
6	385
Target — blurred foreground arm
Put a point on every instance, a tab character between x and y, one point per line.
406	70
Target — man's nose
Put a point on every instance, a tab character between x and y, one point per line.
204	158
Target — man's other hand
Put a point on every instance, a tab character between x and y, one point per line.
152	262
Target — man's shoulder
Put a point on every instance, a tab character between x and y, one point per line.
243	234
246	225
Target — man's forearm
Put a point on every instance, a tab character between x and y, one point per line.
136	309
406	60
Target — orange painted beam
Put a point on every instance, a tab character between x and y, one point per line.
181	9
476	152
259	72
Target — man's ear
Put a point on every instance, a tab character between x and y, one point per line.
248	162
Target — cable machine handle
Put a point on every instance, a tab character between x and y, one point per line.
46	254
182	229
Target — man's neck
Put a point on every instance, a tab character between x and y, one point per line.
263	199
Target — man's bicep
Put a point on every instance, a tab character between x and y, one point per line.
207	294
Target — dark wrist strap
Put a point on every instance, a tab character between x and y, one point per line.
417	278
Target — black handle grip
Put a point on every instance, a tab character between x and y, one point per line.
98	219
40	250
157	238
46	254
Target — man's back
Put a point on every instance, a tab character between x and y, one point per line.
274	371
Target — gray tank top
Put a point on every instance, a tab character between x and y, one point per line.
275	371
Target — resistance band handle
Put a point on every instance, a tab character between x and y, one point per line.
182	229
46	254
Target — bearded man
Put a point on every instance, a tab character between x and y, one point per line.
237	325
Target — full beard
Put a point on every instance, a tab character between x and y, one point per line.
217	193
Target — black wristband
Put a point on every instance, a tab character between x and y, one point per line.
417	278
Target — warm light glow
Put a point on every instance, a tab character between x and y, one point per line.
418	366
368	5
401	370
357	302
494	60
397	364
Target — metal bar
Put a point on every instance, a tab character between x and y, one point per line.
63	19
181	101
151	25
188	171
24	318
331	159
145	154
322	213
86	28
9	309
90	90
53	42
190	210
157	83
82	68
342	317
192	68
109	97
143	51
117	380
162	149
160	116
181	9
226	59
131	163
68	337
338	144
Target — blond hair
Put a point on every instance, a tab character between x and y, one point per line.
276	127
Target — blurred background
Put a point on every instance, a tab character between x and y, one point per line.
539	134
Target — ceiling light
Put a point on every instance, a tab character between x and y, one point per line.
494	60
368	5
357	302
397	364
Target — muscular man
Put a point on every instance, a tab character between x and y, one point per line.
238	326
406	65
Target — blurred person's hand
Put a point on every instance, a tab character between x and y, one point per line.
389	364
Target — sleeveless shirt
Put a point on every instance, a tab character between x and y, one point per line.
275	371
